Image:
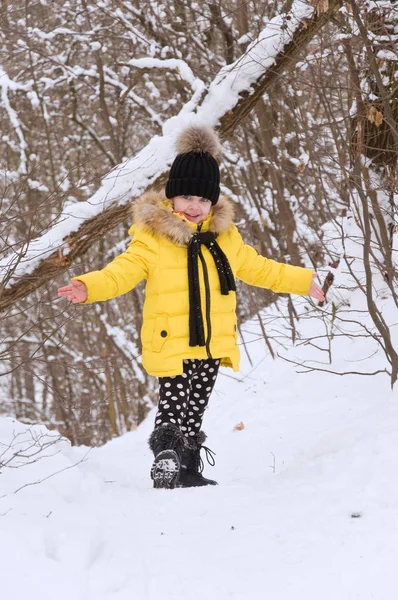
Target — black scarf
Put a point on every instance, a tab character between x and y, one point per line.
227	281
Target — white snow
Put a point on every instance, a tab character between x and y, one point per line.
307	498
305	507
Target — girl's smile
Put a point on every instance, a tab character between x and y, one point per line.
194	208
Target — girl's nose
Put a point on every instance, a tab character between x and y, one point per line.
196	202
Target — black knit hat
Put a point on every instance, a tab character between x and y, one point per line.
195	169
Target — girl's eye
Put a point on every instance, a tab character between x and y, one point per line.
204	200
186	197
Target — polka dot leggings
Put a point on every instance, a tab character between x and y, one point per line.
183	398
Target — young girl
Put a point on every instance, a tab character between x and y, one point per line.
188	250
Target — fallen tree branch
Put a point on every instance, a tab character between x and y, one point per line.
230	98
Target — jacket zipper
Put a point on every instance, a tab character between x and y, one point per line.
207	291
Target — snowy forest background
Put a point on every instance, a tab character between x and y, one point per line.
92	96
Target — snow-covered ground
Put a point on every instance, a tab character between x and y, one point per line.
306	506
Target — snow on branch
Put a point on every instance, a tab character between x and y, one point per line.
230	96
182	68
6	85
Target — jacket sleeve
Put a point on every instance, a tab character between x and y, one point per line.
124	272
257	270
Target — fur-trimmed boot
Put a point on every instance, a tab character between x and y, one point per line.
167	444
192	464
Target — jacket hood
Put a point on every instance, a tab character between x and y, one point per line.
151	212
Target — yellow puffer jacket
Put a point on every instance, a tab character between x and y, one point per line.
158	254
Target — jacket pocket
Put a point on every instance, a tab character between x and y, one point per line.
160	332
236	330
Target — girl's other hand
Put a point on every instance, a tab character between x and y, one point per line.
75	292
315	290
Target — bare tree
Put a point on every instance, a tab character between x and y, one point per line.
85	86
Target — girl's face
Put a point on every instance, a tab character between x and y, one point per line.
194	208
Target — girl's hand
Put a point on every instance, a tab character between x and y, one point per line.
75	292
316	290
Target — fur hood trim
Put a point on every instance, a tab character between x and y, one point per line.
150	213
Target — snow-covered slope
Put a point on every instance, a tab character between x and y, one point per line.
306	507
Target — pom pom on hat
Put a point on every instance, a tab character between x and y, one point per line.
199	139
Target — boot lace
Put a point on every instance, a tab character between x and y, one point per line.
198	463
